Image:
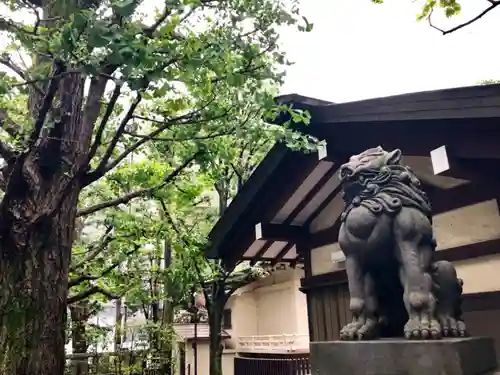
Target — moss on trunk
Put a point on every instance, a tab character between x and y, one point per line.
34	267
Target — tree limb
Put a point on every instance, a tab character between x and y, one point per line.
149	31
11	26
89	292
80	279
106	239
101	168
100	130
6	152
493	5
47	102
181	120
180	139
7	61
7	124
139	193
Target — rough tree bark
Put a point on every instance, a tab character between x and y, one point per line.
37	222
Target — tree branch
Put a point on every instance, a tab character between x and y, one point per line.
181	120
47	102
80	279
11	26
181	139
100	130
7	124
106	239
101	168
7	61
6	152
139	193
149	31
494	4
89	292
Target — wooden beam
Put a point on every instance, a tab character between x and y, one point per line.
311	194
280	232
323	280
275	195
454	254
326	236
468	103
415	138
444	200
323	205
261	252
469	251
481	301
282	254
295	261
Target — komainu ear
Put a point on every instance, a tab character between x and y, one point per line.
394	157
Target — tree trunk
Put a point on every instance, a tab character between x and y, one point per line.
34	266
168	316
118	325
37	223
215	321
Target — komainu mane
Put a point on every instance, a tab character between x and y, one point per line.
396	286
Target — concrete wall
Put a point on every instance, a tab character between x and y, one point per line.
466	225
271	306
259	308
203	360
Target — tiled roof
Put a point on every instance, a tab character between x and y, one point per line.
186	331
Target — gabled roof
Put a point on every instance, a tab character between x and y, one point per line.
290	191
187	331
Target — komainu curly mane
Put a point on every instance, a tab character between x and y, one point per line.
381	184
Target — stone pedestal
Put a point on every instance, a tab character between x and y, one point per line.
460	356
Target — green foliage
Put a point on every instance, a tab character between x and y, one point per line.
449	7
489	81
179	129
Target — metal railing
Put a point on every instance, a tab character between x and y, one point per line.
274	343
296	365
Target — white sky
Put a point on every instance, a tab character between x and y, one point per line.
360	50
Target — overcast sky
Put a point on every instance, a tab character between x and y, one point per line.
360	50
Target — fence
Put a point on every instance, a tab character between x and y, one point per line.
111	364
286	365
266	343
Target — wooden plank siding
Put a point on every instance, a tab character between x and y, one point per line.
329	309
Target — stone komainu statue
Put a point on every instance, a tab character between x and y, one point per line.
396	287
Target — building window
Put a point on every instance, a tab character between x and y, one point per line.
226	319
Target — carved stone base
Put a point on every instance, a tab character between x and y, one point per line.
461	356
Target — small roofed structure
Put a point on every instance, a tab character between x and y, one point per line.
186	332
289	209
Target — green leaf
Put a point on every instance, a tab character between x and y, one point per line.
125	8
309	26
97	39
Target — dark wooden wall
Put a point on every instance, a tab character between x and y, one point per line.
328	311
